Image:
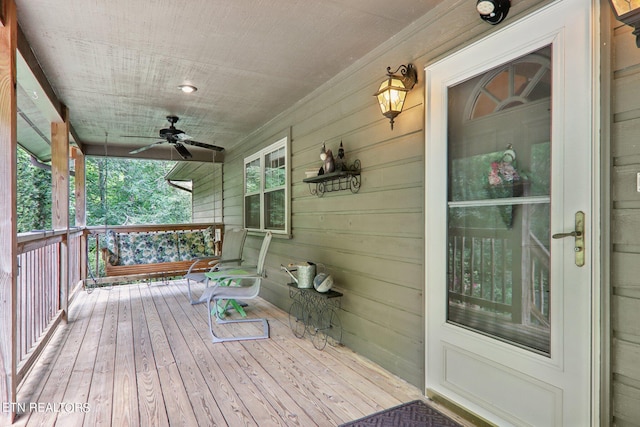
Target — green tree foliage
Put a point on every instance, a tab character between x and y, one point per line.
119	192
126	191
34	195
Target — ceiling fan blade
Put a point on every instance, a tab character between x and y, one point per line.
203	145
182	150
146	147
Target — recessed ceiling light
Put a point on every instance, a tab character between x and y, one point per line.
187	88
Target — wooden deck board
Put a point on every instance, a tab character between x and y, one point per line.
176	399
230	401
125	387
79	385
150	399
142	355
280	409
202	402
291	372
101	393
341	372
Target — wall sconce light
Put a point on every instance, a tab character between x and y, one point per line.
493	11
393	90
628	12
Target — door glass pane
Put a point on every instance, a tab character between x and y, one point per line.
499	156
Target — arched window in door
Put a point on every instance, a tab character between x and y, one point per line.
525	80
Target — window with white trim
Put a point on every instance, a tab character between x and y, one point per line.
266	189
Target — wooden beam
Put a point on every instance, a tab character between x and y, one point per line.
8	219
60	173
37	76
160	153
81	204
60	198
80	187
76	138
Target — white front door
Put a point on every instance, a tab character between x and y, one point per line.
509	129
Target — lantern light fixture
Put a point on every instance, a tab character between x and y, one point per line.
493	11
628	12
393	90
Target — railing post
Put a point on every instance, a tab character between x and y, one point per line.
8	226
60	199
81	207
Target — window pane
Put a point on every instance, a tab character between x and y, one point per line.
275	172
498	264
252	211
274	214
266	175
252	183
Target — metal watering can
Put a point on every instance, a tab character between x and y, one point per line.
306	272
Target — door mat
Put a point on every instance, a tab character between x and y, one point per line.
412	414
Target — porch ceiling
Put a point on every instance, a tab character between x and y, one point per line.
117	65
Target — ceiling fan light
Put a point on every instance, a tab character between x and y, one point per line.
187	88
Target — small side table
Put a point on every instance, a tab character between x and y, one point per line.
315	313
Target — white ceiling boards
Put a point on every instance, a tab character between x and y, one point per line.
117	65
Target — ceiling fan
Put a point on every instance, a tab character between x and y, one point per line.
178	138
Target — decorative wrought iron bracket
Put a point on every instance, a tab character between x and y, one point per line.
347	179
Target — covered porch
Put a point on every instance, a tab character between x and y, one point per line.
161	367
140	354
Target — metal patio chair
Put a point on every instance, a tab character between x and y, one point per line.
237	283
232	246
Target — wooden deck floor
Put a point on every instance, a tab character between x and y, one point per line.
142	355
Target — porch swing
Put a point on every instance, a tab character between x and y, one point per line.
144	252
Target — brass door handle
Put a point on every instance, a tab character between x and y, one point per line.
563	235
578	234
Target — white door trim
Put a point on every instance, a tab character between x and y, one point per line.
594	250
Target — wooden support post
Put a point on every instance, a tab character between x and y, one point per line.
80	187
81	205
60	199
8	219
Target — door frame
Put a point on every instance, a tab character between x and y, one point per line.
599	373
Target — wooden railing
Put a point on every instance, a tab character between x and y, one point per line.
536	301
77	257
479	273
488	271
49	269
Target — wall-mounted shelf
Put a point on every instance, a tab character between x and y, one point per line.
347	179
